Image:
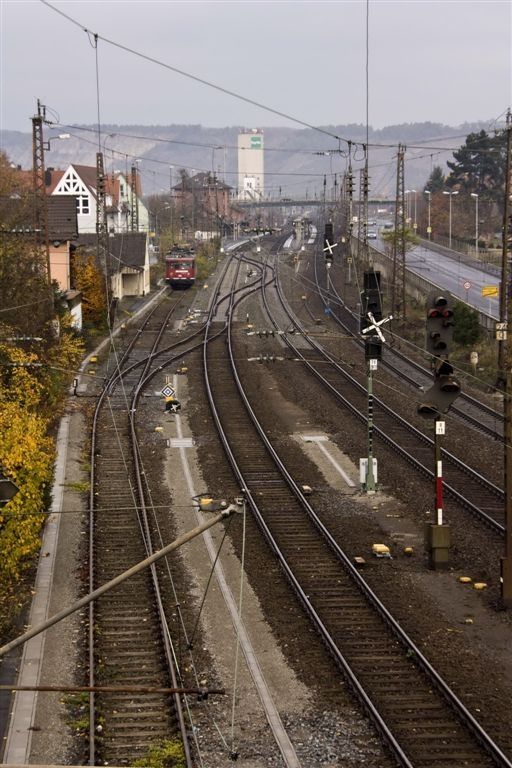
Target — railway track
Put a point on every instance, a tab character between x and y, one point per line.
417	715
128	639
466	487
468	408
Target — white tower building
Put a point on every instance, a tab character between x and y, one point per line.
250	165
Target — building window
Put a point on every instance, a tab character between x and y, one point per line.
82	204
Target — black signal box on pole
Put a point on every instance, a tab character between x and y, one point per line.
328	238
439	333
370	299
439	325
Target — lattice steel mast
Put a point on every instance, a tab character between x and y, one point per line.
398	302
134	201
506	346
103	250
40	197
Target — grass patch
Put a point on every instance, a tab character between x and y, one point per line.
80	487
168	754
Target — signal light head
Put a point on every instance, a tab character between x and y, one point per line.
449	384
443	368
428	410
439	325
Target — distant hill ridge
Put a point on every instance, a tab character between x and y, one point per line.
289	151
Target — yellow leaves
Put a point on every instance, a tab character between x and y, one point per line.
18	381
91	282
26	454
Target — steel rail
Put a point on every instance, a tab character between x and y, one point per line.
465	716
473	401
492	489
115	376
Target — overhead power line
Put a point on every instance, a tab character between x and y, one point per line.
197	79
95	36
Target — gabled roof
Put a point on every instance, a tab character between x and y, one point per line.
17	215
52	177
126	249
88	175
76	180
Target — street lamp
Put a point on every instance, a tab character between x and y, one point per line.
429	199
415	223
475	196
170	202
46	144
451	194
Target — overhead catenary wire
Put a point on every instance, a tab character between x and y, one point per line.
209	84
197	79
424	144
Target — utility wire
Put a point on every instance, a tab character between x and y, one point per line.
194	77
229	92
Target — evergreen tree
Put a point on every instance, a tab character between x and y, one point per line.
479	166
436	181
467	330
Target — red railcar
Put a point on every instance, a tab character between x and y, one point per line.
180	268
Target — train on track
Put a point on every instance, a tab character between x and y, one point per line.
180	267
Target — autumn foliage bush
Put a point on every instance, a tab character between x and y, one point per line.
31	388
39	355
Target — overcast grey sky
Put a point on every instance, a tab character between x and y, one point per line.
446	61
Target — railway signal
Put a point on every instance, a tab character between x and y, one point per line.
435	402
371	305
439	334
439	325
371	321
329	243
328	252
439	397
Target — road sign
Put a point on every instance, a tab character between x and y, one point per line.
168	391
489	290
467	285
501	332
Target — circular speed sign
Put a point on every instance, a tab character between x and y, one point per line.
467	285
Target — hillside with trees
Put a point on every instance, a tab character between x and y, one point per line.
295	160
